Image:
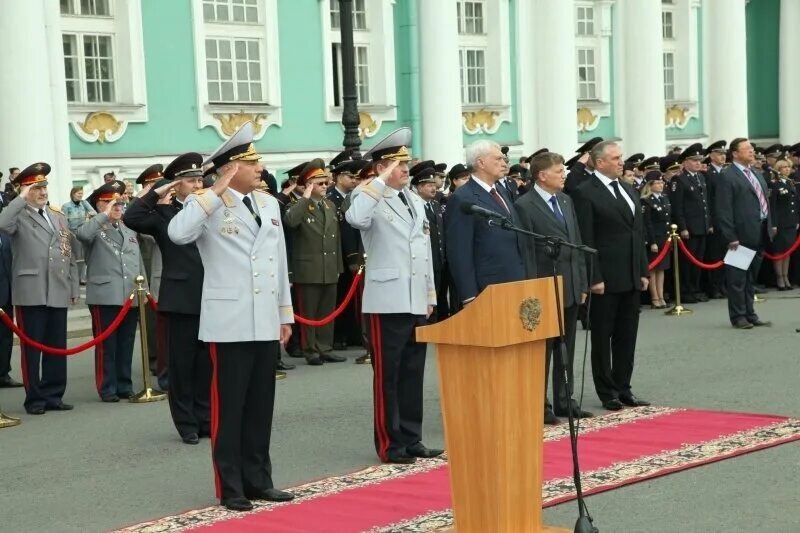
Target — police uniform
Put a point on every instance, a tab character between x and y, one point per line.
245	301
286	200
399	288
579	172
45	281
316	264
113	262
179	305
657	221
716	247
784	209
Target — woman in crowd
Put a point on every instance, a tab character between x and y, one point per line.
657	219
784	208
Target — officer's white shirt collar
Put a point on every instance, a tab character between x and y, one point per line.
340	191
239	197
486	187
35	211
608	181
717	168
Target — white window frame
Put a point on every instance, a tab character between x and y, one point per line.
378	38
496	41
684	47
218	115
124	25
600	42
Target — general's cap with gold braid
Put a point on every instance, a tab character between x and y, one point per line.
107	192
150	174
313	169
238	148
35	175
394	147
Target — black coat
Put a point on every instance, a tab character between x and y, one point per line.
738	209
577	176
5	269
182	271
712	178
657	219
783	204
434	214
690	208
621	261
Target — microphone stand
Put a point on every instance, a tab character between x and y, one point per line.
553	249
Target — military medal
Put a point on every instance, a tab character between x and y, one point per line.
65	247
426	227
229	226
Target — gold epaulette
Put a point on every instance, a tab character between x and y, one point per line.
201	191
56	209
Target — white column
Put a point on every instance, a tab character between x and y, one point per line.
788	73
31	121
642	74
555	88
725	66
440	85
526	67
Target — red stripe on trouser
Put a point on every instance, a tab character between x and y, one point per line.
298	293
380	404
23	349
98	349
212	352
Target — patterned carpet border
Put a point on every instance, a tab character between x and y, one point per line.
625	473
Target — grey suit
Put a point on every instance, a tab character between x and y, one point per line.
45	278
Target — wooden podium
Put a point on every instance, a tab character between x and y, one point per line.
491	376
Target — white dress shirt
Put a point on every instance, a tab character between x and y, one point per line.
488	188
607	182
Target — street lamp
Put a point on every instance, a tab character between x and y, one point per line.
350	119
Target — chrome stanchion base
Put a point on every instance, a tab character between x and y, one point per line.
148	395
678	310
8	421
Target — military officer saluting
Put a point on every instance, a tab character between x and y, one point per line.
45	282
113	262
399	295
245	313
580	168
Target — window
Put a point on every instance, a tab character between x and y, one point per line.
241	11
473	75
669	76
587	74
233	68
667	31
361	56
593	25
359	14
585	21
89	68
92	8
470	17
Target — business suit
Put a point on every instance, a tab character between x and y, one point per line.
479	254
398	289
346	329
538	216
740	219
179	315
690	209
245	301
6	336
617	232
45	280
113	262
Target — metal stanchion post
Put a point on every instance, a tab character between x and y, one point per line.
8	421
678	309
147	394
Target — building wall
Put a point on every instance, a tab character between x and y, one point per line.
762	67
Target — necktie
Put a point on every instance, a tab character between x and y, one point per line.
41	214
620	199
496	196
405	201
249	205
762	201
557	210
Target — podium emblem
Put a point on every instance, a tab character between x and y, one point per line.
530	313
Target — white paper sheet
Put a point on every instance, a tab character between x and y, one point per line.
740	258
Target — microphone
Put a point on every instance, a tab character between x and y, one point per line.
469	208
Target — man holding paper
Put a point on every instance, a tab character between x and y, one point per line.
743	218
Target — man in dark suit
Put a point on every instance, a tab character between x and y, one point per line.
716	245
479	254
6	337
611	221
580	168
742	209
548	211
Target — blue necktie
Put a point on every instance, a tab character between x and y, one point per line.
557	210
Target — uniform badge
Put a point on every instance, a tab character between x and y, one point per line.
229	226
275	222
426	227
65	247
311	220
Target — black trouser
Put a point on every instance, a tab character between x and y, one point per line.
189	373
346	329
113	357
293	347
6	343
561	394
398	361
155	348
242	401
716	248
47	325
690	274
442	310
615	324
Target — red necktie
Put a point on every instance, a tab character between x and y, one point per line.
497	199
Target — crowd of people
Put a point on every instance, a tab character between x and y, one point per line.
231	254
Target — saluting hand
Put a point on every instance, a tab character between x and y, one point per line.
165	189
308	191
225	175
110	205
23	191
388	172
145	190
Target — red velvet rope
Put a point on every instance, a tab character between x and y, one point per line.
152	303
661	255
697	262
68	351
336	312
783	255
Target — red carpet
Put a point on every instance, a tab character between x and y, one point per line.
615	449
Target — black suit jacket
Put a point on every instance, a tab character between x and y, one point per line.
537	216
621	261
690	207
479	254
5	269
182	272
434	214
738	208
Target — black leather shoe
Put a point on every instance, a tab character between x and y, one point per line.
689	299
314	360
284	366
741	323
419	450
7	382
400	459
110	399
59	407
340	345
125	395
576	413
717	295
35	410
236	504
190	438
613	405
332	358
701	297
550	418
632	401
272	495
758	323
365	359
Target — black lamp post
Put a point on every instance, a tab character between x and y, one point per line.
350	119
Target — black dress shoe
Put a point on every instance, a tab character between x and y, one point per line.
314	360
190	438
271	495
332	358
716	295
59	407
125	395
284	366
400	459
7	382
741	323
701	297
689	299
110	399
237	504
758	323
613	405
419	450
340	345
550	418
632	401
782	289
35	410
576	413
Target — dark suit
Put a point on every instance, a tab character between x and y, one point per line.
537	216
690	210
179	314
617	232
479	254
739	218
435	216
6	337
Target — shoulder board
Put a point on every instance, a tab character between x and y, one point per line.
56	209
201	191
